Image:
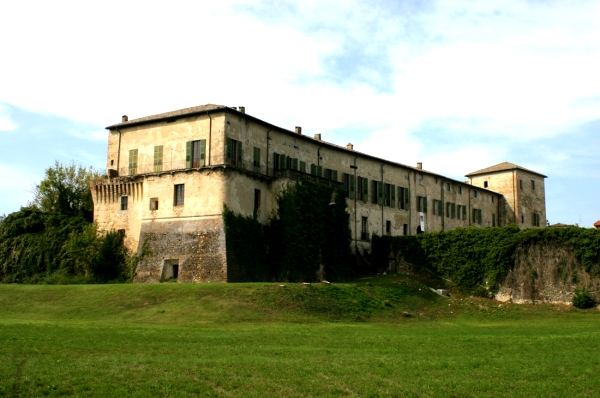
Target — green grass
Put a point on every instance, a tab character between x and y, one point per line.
266	340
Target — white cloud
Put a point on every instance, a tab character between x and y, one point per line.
6	124
511	72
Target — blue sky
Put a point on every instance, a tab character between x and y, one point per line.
457	85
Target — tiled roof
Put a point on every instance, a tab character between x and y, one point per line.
504	166
597	224
166	115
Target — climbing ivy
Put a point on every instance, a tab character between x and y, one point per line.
307	231
470	257
42	247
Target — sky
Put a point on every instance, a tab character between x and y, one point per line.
457	85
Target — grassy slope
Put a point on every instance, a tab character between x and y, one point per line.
260	339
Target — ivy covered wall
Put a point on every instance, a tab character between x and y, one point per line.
310	229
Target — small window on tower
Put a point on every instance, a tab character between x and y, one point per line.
124	202
153	204
485	184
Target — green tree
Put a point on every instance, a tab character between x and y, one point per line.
65	189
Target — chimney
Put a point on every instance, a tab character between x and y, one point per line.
124	118
298	130
420	165
318	137
350	146
242	109
234	108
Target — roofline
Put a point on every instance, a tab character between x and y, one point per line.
293	133
475	173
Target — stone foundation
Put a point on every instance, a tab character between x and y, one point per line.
196	246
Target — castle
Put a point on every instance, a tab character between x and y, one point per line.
170	175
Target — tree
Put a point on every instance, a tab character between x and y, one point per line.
65	189
2	217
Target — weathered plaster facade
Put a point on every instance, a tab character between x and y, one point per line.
171	174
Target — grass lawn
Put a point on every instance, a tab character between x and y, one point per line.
380	337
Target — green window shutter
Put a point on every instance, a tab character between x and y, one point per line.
365	188
425	204
351	186
133	153
188	154
239	151
334	175
379	192
202	153
158	158
295	164
228	143
256	159
282	162
320	171
313	169
393	193
453	210
406	198
303	166
479	218
275	160
464	212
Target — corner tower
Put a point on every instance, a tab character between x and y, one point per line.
523	190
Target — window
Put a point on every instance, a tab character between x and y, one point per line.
316	170
477	216
403	198
533	186
493	220
158	158
303	166
234	152
405	229
437	207
349	185
364	235
293	163
331	174
492	199
195	154
522	219
377	195
133	157
536	219
435	180
124	200
388	227
459	190
462	212
276	161
420	177
178	195
422	204
521	184
389	195
256	200
153	204
474	193
451	210
363	188
485	184
448	187
256	159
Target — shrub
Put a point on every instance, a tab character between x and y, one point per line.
583	299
